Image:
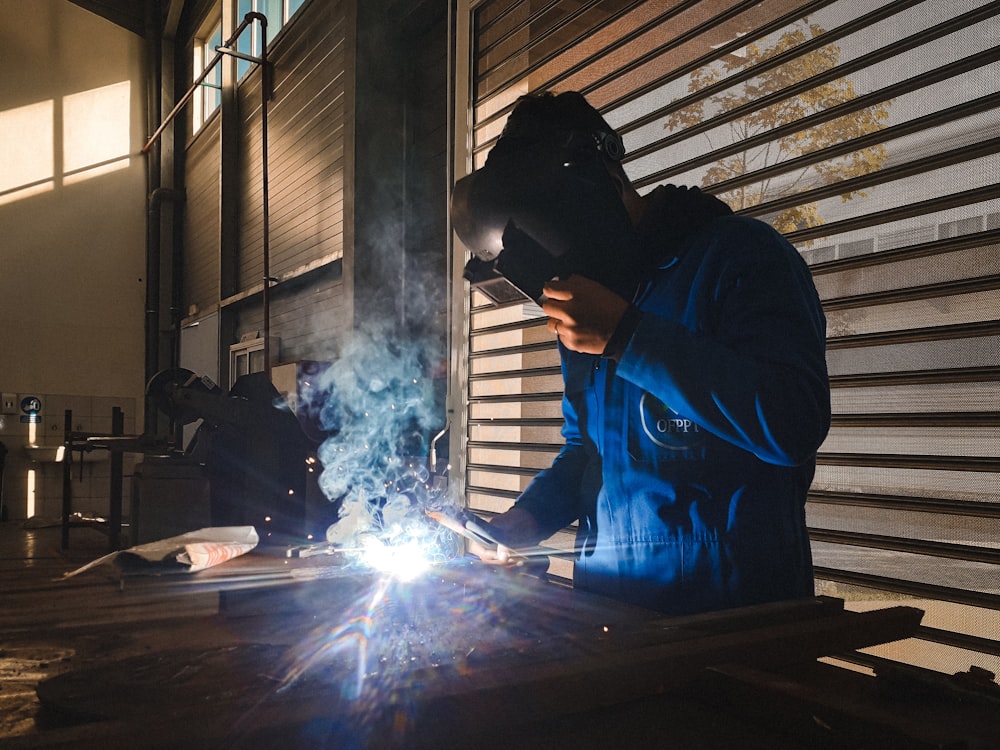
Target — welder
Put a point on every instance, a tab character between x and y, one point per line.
692	348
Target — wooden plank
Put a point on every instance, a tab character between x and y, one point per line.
552	688
836	708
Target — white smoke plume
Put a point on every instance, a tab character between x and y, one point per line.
379	414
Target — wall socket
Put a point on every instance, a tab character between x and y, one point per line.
8	403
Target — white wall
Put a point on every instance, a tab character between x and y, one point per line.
72	237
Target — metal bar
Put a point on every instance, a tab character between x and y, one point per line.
247	20
474	489
507	446
884	665
917	377
966	552
265	87
67	484
951	114
116	479
517	397
934	247
910	293
909	461
536	422
912	335
935	506
880	177
906	211
524	471
959	640
910	588
515	326
539	346
860	63
240	55
531	372
917	419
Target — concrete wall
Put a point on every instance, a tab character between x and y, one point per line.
72	230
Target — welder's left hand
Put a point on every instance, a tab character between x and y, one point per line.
516	527
502	556
582	313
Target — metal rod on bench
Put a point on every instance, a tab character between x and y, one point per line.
67	498
117	476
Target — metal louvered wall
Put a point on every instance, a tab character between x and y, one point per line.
868	133
224	265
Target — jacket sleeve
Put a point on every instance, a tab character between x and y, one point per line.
553	497
753	371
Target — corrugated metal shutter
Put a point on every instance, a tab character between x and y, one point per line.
201	225
309	308
306	135
305	149
868	133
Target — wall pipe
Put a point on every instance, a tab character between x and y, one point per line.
265	94
154	66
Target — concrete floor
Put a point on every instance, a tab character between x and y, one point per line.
50	626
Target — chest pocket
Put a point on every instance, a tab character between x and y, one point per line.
657	433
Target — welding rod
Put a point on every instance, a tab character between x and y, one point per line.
471	527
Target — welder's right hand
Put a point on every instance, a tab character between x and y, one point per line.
582	313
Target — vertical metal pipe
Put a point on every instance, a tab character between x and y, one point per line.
117	477
67	487
265	91
265	86
153	176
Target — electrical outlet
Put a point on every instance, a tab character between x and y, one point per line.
8	403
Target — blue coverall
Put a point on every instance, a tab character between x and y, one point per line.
687	462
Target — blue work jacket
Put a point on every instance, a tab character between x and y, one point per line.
687	462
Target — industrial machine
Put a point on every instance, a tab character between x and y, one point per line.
255	454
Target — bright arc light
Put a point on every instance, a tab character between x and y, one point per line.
405	562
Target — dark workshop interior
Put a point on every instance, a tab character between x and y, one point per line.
235	312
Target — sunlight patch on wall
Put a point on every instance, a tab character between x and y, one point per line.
94	126
26	153
96	131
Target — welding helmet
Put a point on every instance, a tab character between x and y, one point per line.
544	205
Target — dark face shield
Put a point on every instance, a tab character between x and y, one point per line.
534	213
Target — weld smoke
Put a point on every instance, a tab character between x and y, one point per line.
379	414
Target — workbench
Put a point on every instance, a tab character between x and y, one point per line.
313	654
